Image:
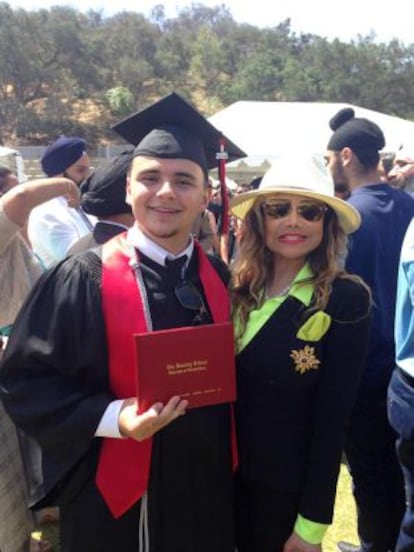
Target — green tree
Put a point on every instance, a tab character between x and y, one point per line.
120	100
206	65
259	78
57	64
130	47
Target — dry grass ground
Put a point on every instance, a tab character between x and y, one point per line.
344	523
343	527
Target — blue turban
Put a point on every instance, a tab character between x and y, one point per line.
62	154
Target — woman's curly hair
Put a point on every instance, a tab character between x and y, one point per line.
254	264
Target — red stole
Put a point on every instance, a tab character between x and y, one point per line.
124	464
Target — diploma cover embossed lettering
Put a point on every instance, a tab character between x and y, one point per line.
195	362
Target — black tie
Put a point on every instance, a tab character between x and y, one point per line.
175	267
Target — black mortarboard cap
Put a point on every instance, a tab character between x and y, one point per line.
103	192
171	128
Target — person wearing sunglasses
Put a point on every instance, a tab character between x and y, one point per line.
302	328
160	480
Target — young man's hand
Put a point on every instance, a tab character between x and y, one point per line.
142	426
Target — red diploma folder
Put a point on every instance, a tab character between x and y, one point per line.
196	362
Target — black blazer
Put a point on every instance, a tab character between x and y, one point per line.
291	425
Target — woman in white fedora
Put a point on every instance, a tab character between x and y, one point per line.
301	327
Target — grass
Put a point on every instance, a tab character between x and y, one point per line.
343	527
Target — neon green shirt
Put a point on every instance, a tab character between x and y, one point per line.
308	530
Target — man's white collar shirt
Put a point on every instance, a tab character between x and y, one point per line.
155	252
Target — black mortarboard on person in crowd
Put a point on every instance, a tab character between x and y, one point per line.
362	136
61	154
172	129
103	192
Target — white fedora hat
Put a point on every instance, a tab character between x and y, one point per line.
303	177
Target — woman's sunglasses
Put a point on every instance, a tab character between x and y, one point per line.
311	212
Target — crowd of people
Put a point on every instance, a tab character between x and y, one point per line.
318	281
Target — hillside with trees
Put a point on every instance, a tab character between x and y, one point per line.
62	71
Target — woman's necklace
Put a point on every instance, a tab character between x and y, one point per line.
281	293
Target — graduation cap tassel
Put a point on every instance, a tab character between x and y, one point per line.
222	157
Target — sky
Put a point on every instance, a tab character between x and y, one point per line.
345	20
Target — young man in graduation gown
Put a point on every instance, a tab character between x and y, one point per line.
159	481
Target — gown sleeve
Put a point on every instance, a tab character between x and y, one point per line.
54	376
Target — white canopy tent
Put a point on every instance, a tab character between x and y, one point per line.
268	130
13	160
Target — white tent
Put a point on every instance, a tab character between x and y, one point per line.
13	160
268	130
230	183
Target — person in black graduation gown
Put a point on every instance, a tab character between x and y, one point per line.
56	381
103	196
302	329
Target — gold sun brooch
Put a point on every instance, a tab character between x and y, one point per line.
305	359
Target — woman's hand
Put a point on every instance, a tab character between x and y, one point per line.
142	426
296	544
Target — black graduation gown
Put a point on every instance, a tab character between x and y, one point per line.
54	382
102	232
